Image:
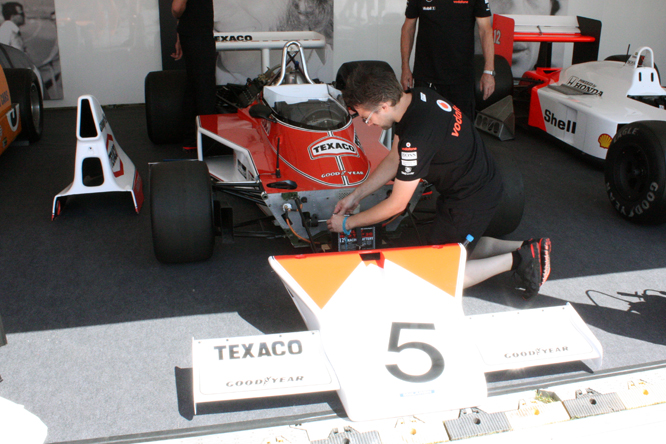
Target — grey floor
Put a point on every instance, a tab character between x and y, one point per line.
100	332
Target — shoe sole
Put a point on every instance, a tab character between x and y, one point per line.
544	259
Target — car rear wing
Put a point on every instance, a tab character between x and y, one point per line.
583	32
265	41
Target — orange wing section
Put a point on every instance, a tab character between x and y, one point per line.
321	275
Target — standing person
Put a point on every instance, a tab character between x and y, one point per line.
444	59
196	44
434	141
14	16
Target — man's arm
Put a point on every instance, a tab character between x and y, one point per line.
385	172
406	44
178	7
487	84
394	204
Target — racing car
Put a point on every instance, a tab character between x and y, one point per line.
21	102
296	151
387	330
613	110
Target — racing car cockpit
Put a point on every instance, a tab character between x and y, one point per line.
304	104
327	114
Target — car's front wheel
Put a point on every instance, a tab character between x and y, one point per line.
635	172
24	89
181	210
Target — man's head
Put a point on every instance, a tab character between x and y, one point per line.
13	11
371	84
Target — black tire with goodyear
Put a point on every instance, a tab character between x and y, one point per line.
24	89
164	95
181	210
635	172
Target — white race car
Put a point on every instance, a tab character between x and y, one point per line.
613	110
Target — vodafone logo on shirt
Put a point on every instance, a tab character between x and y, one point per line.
445	106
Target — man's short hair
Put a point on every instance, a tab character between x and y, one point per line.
370	84
11	8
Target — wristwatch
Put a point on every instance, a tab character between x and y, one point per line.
486	71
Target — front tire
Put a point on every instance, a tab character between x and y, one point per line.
181	210
24	89
635	172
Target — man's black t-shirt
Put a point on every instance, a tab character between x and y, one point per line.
439	144
445	40
197	19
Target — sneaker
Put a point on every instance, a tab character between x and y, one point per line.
544	256
534	267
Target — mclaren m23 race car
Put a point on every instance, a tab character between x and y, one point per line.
295	151
612	110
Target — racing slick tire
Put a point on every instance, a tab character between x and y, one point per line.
24	89
503	81
164	94
512	204
635	172
181	210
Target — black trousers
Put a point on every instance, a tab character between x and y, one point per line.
200	56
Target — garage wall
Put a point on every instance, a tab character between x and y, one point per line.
108	47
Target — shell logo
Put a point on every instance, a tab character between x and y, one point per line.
605	141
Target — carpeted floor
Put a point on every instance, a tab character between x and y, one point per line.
100	332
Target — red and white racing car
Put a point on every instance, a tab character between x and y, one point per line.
295	151
613	110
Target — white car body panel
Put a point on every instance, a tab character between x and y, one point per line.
589	101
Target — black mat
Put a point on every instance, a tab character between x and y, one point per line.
100	332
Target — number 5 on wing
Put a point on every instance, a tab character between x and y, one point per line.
436	358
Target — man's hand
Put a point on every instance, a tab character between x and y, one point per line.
406	79
178	53
342	208
334	224
346	205
487	85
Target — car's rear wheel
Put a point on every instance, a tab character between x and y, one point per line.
510	210
164	95
181	210
635	172
503	81
24	89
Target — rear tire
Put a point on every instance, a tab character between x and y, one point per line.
503	81
24	90
164	95
510	210
181	210
635	172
